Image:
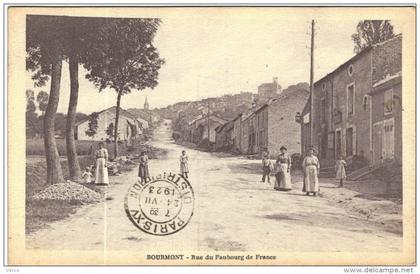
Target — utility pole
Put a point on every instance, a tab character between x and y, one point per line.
311	81
208	120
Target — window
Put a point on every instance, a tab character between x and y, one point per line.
324	86
350	99
350	70
388	101
365	102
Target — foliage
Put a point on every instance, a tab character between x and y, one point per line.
32	121
42	99
369	32
131	60
92	125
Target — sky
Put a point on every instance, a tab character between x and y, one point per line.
213	56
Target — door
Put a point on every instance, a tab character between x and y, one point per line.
337	143
377	143
349	141
388	139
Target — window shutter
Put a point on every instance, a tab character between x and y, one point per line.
354	141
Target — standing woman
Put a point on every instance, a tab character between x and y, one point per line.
340	168
101	172
283	163
310	168
144	167
183	159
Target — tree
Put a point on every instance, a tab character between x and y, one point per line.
81	33
124	59
32	122
42	100
92	125
370	32
45	47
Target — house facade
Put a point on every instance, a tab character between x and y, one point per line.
128	126
274	124
202	127
387	120
343	104
237	133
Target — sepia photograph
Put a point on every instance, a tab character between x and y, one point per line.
211	135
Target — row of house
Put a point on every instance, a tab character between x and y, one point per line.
265	128
356	109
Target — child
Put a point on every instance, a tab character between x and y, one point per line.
183	159
267	166
340	168
87	175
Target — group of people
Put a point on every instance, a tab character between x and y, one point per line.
101	170
281	170
310	168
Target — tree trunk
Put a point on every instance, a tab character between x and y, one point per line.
54	172
73	163
117	117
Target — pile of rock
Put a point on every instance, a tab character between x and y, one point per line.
68	191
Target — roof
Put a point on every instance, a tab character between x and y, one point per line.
356	57
195	119
112	110
387	82
387	79
214	118
226	126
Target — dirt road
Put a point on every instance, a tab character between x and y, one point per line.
234	211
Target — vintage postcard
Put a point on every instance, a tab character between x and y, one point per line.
211	135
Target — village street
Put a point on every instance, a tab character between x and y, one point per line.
234	211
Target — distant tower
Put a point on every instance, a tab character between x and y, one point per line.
146	104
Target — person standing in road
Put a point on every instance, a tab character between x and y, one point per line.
267	167
340	168
183	159
101	172
144	167
283	163
310	166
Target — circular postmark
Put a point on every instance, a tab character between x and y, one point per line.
162	206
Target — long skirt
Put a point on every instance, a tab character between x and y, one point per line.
341	173
310	180
283	180
184	167
144	171
101	173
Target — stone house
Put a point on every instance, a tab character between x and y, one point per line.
129	127
237	133
274	124
343	107
201	128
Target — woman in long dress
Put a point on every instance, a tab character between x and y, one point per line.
310	166
283	163
183	161
144	168
340	168
101	172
